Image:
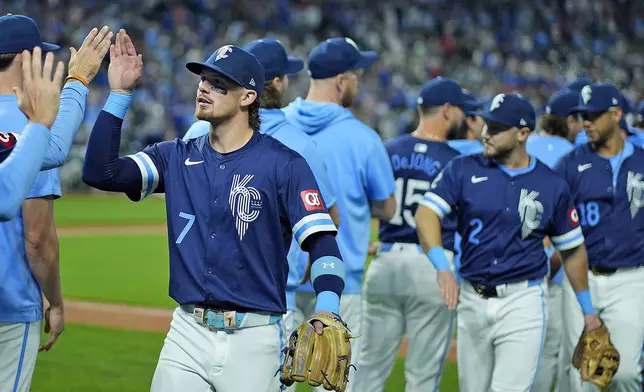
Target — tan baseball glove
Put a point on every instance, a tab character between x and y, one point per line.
595	357
318	359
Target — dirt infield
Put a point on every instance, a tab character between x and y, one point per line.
133	317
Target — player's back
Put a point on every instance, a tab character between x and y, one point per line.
548	149
359	170
20	297
416	162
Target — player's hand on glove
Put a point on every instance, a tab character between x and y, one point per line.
86	61
318	353
54	325
595	356
449	288
126	66
39	96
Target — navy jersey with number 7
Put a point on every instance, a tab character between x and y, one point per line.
231	217
416	162
503	216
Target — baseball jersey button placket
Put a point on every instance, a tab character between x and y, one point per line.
213	235
222	166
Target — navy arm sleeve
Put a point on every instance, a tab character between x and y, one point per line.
136	175
327	271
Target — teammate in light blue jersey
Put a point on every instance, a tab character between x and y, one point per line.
468	138
28	243
549	146
357	161
277	66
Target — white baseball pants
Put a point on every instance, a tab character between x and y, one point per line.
19	344
197	359
351	313
401	296
500	340
619	302
550	364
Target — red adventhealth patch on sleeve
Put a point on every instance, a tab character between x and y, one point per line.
312	200
7	142
573	216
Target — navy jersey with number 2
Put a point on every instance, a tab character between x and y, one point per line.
503	216
416	162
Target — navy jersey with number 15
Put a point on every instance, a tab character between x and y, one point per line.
416	162
231	217
503	215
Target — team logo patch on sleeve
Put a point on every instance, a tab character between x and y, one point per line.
312	200
7	141
573	216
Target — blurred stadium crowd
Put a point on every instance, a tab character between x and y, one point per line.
533	47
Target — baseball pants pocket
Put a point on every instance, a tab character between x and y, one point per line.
18	351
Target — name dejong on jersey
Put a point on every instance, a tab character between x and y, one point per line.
503	216
416	163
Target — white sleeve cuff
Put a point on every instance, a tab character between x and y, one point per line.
569	240
314	223
149	173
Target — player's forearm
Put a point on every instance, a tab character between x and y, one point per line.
335	214
384	209
70	116
103	168
41	247
18	172
327	272
428	226
576	266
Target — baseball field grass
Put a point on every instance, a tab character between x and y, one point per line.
114	251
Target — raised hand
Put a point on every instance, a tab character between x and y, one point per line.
86	61
39	96
126	66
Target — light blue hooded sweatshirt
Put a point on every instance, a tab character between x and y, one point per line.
274	124
360	172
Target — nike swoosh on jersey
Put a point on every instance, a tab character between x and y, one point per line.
581	168
476	180
190	163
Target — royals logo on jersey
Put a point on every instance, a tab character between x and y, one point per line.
231	218
608	194
245	203
503	216
530	212
416	163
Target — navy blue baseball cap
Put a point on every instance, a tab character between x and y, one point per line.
273	58
510	110
562	103
598	97
440	91
19	32
336	56
579	83
236	64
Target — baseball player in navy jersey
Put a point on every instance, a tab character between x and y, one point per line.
400	292
277	66
467	138
506	203
605	177
548	147
234	199
357	162
29	264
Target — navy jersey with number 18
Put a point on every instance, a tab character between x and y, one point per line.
609	194
416	162
503	215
